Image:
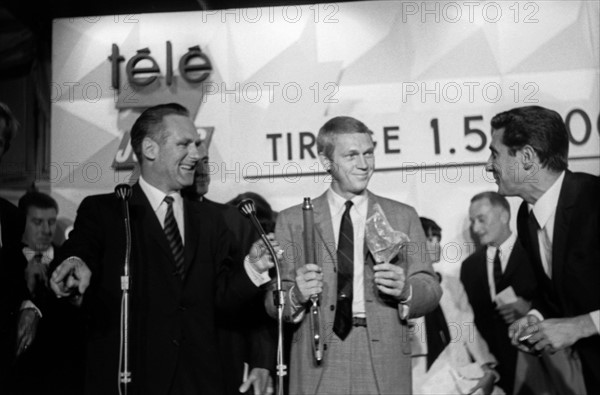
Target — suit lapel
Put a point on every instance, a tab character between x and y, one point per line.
148	225
192	226
324	228
511	267
561	225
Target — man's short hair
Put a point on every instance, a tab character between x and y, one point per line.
8	125
431	228
149	124
541	128
334	127
494	198
38	200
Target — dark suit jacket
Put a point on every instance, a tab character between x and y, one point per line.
490	324
573	289
251	336
13	290
173	333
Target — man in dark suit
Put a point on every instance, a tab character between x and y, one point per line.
365	303
13	291
484	276
559	225
50	344
181	271
248	339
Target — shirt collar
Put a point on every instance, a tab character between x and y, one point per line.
156	196
507	246
337	204
545	207
47	255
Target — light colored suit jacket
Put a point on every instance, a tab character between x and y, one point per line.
388	334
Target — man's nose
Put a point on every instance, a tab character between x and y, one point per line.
362	162
489	166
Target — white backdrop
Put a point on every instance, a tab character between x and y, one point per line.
426	77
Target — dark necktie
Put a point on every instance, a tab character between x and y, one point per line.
534	226
497	270
438	335
173	236
345	275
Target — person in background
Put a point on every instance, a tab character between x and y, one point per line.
447	347
365	304
247	341
559	226
13	290
499	264
40	360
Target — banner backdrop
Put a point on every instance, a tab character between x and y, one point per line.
425	77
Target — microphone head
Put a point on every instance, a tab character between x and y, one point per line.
247	207
123	192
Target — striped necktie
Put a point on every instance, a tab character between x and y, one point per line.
174	237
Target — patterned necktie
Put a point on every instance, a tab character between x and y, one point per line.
497	270
173	236
345	275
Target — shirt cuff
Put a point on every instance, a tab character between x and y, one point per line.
28	304
536	313
296	307
595	316
257	278
404	306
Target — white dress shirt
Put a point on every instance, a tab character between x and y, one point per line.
505	250
156	197
358	215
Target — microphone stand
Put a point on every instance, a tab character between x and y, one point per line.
247	207
123	192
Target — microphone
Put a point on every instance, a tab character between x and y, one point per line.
248	209
123	193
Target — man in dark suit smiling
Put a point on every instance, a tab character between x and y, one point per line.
181	270
559	225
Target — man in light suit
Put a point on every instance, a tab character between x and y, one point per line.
182	275
364	304
559	225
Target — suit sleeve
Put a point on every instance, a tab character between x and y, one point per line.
234	288
426	291
87	238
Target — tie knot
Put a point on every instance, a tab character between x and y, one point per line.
348	205
169	200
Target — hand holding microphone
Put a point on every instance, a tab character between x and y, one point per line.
259	256
266	251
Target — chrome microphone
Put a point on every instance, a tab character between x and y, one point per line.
123	193
247	208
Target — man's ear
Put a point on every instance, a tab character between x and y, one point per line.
528	156
149	148
325	161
